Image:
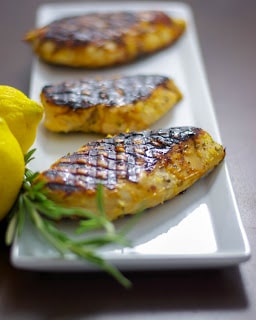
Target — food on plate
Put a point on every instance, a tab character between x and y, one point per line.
12	168
138	170
96	40
21	114
110	105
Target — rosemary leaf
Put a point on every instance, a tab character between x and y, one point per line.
21	216
11	229
99	199
29	156
88	225
104	240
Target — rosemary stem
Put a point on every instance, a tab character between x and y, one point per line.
40	225
104	265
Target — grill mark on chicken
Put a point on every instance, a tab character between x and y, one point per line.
86	93
113	159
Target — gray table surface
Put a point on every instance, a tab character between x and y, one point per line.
226	31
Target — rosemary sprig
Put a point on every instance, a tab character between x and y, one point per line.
32	203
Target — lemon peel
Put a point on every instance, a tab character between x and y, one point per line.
12	168
22	115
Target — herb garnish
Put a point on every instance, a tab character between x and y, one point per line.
32	203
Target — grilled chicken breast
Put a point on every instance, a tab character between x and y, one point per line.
138	170
98	40
108	106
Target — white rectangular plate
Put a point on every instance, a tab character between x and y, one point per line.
199	228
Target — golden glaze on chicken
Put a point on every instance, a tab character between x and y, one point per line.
98	40
138	170
108	106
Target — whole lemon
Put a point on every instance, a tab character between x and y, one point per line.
12	168
21	114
